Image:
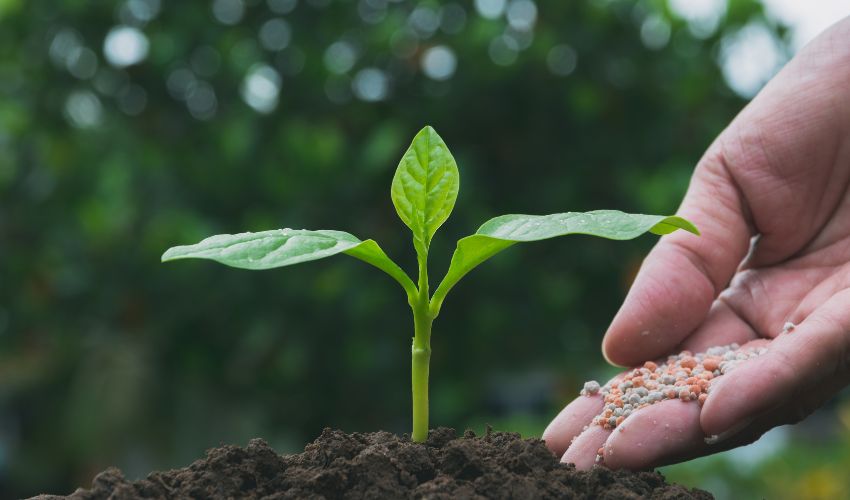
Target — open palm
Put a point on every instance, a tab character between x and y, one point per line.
772	199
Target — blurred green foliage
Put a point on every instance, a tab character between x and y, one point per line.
230	123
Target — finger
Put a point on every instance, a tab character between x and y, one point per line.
793	410
678	446
650	435
571	421
823	283
722	327
683	274
816	352
582	452
765	298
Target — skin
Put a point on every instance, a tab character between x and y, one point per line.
771	197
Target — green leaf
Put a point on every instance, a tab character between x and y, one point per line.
501	232
285	247
425	186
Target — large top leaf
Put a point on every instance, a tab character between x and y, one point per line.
285	247
501	232
425	186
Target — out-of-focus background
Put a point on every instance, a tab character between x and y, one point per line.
130	126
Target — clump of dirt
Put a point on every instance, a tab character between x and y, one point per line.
383	465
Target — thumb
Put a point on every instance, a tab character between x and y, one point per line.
683	274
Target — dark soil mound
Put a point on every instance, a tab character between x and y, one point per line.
383	465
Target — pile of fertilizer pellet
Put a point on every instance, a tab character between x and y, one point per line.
683	376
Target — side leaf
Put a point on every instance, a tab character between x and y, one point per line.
285	247
425	186
501	232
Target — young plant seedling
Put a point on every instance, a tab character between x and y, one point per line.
424	190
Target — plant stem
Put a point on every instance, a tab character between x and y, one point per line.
421	352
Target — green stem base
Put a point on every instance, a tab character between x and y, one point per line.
421	359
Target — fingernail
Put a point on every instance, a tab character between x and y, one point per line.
723	436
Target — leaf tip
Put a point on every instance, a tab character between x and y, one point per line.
430	132
690	227
671	224
169	255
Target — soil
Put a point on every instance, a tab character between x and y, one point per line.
384	466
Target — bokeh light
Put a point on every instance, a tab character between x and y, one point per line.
452	18
439	62
503	50
372	11
702	16
562	59
125	46
340	57
370	84
202	102
655	32
424	20
275	34
522	14
490	9
261	87
64	42
749	57
179	82
806	19
83	109
141	11
228	12
82	62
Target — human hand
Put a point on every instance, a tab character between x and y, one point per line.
771	197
